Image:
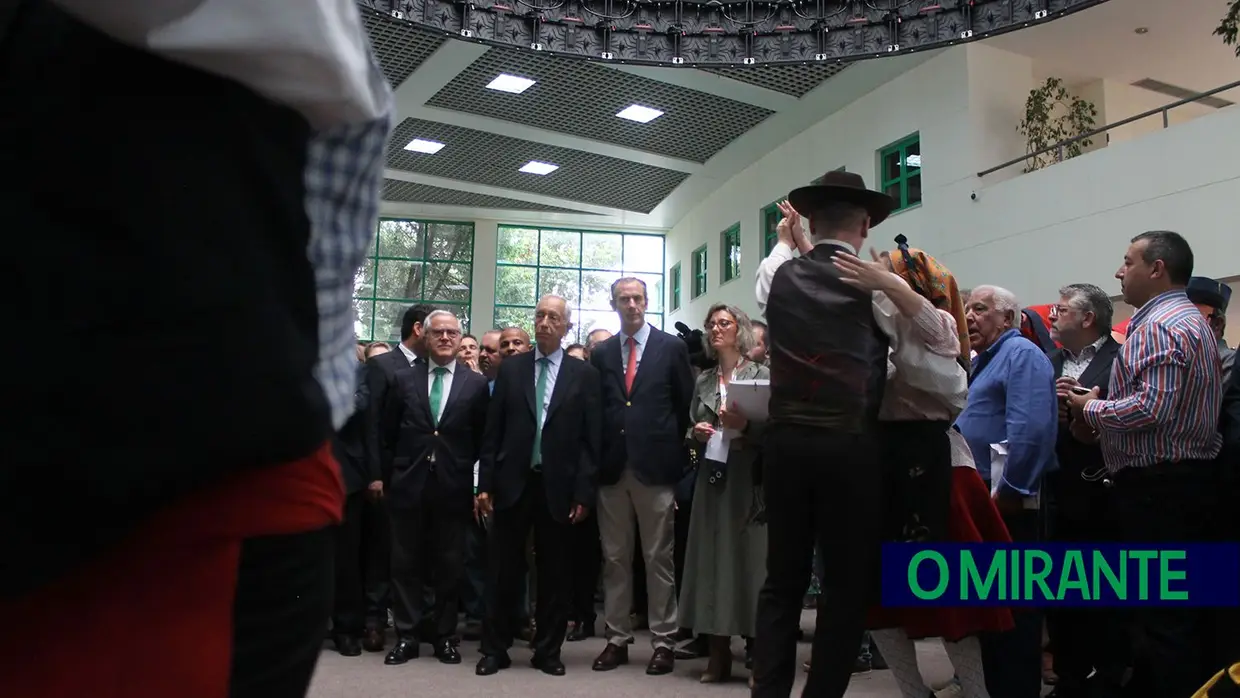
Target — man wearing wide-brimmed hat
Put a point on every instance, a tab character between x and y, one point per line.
1211	298
823	480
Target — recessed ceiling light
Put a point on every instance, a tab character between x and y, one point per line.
539	168
421	145
510	84
1142	30
640	114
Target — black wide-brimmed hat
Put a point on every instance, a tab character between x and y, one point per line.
1206	291
847	187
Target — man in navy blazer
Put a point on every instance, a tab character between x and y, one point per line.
646	388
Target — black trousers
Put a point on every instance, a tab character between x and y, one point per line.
1168	503
284	591
510	528
1012	660
587	564
376	556
349	609
826	486
1084	639
428	545
473	591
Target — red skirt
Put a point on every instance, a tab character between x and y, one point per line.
973	519
152	618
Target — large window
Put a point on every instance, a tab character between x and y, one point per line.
673	299
730	253
578	265
699	272
899	170
413	262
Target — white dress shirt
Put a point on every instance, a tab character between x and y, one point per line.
925	381
556	359
447	383
407	352
1075	364
642	337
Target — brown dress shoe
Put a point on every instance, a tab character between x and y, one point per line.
611	657
373	640
662	662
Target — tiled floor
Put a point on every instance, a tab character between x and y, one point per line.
366	676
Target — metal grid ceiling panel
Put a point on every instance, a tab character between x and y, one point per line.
494	160
398	47
582	98
795	80
409	192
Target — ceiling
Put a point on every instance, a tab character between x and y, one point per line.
1102	42
611	172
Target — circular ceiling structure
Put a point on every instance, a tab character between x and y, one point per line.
697	33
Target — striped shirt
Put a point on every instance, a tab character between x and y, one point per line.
1166	389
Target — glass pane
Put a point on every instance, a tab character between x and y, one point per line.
699	262
643	253
516	317
912	157
655	321
399	279
447	282
891	166
654	292
561	282
516	286
365	314
387	320
602	251
364	280
400	239
893	190
914	190
454	241
560	248
370	248
589	320
461	312
596	289
518	246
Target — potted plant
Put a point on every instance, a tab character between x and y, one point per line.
1052	115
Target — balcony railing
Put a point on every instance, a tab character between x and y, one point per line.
1059	147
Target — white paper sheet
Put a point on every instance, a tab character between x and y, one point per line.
717	446
477	464
751	398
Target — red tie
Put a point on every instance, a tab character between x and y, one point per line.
630	372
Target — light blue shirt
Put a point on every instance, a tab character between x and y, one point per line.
642	336
556	358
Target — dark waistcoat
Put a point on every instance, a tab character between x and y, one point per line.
828	355
160	302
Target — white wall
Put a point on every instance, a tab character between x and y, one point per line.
1031	233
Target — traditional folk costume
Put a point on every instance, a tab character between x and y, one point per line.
934	490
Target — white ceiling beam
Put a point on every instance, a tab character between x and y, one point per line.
712	84
626	222
435	73
483	189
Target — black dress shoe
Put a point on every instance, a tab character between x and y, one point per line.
580	631
347	645
402	652
373	641
446	652
550	665
490	664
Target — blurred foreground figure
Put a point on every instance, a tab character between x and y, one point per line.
168	492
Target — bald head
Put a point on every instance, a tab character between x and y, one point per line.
552	321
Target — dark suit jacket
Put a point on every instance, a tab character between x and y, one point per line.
570	436
1073	455
645	430
349	443
1229	421
381	373
422	450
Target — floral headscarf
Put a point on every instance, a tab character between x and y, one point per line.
934	282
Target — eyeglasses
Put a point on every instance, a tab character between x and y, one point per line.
450	334
721	324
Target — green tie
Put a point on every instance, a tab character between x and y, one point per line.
437	393
540	392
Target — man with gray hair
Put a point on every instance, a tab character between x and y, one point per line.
1012	410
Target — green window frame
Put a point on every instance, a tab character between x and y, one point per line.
730	253
580	265
673	299
413	261
899	171
699	273
770	226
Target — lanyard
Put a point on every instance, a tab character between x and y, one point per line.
723	387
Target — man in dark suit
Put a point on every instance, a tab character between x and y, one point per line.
647	385
538	470
380	377
1084	641
435	417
